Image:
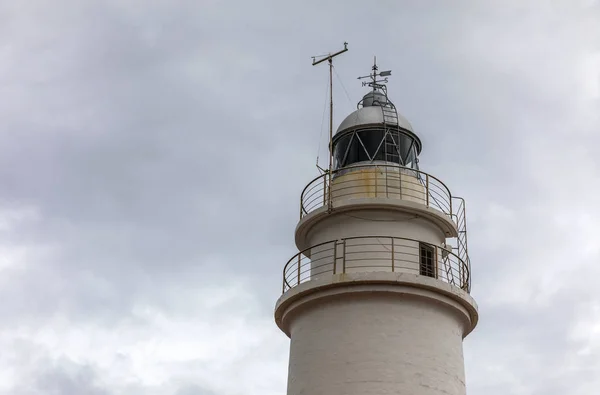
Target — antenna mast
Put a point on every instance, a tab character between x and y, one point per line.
315	62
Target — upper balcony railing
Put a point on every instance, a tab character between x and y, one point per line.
377	180
377	254
390	182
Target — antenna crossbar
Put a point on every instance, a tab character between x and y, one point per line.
328	56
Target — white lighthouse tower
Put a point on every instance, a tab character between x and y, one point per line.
377	300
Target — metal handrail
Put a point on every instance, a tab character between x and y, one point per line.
461	224
375	254
437	194
430	191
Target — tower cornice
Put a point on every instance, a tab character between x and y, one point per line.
401	285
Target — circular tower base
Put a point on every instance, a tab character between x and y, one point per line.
376	333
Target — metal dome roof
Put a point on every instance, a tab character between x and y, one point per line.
370	115
374	98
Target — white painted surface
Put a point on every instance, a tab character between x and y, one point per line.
385	181
373	222
373	254
376	343
369	331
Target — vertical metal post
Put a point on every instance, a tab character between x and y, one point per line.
330	131
376	177
324	191
400	183
466	248
315	62
393	254
329	202
436	261
330	114
299	255
334	255
427	188
344	258
386	182
462	274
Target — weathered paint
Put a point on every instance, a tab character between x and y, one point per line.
385	181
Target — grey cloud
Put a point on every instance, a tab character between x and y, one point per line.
194	390
165	146
41	373
56	381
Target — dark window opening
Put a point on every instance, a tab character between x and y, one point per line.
427	266
371	139
340	149
373	144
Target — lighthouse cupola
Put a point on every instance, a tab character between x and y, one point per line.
376	132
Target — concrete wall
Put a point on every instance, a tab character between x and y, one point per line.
375	222
384	181
370	254
367	255
367	332
376	343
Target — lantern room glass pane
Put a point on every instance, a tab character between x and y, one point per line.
371	139
391	147
339	151
373	144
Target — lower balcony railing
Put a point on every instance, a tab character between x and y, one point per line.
376	254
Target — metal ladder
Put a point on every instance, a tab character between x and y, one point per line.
448	270
389	114
390	117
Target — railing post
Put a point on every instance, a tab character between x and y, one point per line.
427	187
334	255
393	254
344	258
387	184
299	255
436	262
329	202
400	183
466	243
451	209
468	280
376	177
324	191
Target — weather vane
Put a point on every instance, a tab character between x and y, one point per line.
376	83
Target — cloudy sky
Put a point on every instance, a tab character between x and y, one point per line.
152	154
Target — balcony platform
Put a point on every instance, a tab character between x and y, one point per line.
341	206
366	284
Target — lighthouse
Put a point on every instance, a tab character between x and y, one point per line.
377	300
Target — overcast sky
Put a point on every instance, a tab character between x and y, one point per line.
152	154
